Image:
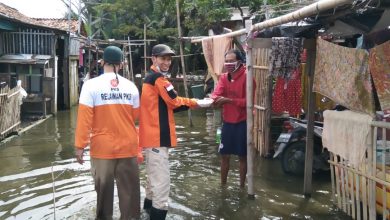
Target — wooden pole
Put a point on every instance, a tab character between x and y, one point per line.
145	60
130	60
182	59
311	57
249	120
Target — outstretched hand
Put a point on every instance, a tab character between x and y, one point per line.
221	101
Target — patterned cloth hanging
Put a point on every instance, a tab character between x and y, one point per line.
288	95
285	56
380	72
342	74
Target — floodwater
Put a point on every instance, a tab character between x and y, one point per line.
32	162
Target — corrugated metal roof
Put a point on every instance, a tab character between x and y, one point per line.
25	59
58	24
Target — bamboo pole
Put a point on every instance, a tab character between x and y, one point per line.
384	188
332	177
130	61
352	193
372	184
343	186
145	60
182	59
358	197
338	180
364	191
299	14
249	107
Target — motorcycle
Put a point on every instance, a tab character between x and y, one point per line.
291	147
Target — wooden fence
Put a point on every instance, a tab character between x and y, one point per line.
364	192
262	99
9	110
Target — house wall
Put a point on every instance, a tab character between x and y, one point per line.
28	41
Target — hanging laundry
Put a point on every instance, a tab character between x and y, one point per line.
288	95
285	56
380	72
348	134
214	50
342	75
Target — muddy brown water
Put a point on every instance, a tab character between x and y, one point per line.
30	162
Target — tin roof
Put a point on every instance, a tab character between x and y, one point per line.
24	59
10	13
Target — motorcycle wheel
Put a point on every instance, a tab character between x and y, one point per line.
293	158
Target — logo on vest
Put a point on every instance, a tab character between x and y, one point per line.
114	83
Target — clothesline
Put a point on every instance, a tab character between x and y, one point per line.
304	12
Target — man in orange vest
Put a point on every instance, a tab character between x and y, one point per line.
157	134
108	109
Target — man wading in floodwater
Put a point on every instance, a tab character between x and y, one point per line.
108	108
157	129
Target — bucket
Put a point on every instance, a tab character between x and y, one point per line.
197	91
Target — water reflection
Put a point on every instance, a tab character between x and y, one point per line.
28	161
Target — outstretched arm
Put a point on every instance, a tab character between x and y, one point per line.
170	97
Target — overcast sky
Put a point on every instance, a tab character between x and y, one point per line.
39	8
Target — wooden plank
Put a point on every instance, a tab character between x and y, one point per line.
10	128
13	44
364	192
385	212
24	43
20	43
343	185
332	177
352	193
371	184
338	180
358	198
259	108
261	67
14	93
347	190
307	185
30	39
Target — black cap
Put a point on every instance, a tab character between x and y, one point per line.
161	50
113	55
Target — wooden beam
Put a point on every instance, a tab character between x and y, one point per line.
10	128
261	67
259	107
311	57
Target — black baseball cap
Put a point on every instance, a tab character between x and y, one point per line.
161	50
